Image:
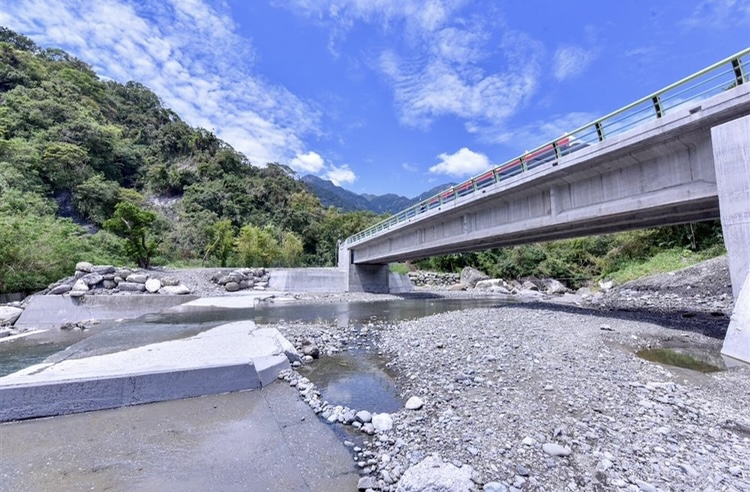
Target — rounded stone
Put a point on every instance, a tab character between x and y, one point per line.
555	449
414	403
84	266
232	286
153	285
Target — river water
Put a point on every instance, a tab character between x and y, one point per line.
356	378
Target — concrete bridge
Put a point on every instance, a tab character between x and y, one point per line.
679	155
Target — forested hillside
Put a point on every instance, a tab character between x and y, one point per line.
77	150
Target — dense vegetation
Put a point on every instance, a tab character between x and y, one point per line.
148	188
621	257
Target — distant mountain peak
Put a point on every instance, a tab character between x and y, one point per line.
348	201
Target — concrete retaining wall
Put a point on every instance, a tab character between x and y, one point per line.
307	280
53	311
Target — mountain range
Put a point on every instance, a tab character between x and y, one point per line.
348	201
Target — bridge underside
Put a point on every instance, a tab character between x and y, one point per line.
629	189
690	166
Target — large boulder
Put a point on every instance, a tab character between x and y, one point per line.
59	289
131	287
84	266
432	475
470	276
137	278
153	285
9	314
553	286
496	285
174	290
103	269
92	279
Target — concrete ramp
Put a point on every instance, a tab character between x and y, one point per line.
232	357
53	311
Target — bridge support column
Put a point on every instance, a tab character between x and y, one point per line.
363	278
731	150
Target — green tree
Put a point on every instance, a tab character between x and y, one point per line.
257	246
222	244
133	224
291	250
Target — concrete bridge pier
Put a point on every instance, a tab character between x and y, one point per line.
731	151
363	278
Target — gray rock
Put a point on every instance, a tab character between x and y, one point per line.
131	287
137	278
232	286
367	483
92	279
494	487
382	422
109	284
80	286
645	486
310	348
735	470
493	285
84	266
103	269
169	282
153	285
9	314
470	276
555	449
174	290
553	286
59	289
77	293
414	403
529	285
364	416
432	475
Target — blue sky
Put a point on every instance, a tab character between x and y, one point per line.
389	96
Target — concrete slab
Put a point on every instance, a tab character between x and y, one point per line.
261	440
231	357
242	300
53	311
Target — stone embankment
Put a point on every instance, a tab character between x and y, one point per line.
98	280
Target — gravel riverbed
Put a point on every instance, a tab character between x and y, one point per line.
538	396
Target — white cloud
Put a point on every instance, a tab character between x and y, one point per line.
463	163
534	134
310	162
571	61
719	14
188	53
438	56
409	167
340	175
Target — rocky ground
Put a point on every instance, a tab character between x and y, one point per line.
550	396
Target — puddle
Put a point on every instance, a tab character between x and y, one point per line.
356	380
693	358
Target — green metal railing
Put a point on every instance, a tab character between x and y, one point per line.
719	77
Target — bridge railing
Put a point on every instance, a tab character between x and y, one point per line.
719	77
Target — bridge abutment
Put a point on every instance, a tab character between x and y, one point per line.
363	278
731	152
